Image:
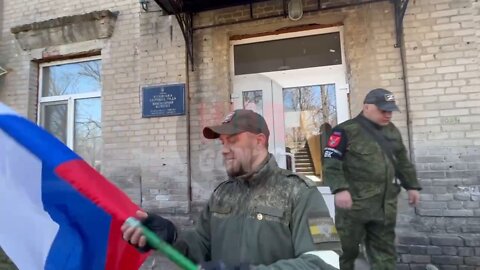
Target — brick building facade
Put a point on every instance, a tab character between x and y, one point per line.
165	165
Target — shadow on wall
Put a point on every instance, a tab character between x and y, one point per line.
207	171
128	178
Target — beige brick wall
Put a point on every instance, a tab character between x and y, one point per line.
150	153
442	48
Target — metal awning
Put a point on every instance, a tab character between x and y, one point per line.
195	6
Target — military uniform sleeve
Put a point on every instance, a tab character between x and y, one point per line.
333	155
195	244
405	171
308	205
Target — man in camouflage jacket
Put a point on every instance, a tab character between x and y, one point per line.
262	217
366	177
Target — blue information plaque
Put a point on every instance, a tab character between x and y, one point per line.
163	100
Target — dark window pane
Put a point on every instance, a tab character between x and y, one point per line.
88	130
73	78
54	119
285	54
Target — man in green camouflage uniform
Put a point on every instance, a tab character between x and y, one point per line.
364	177
262	217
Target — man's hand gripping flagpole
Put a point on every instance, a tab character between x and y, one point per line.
155	242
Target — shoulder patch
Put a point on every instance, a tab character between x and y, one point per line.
336	144
322	229
334	139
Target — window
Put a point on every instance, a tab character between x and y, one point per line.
70	105
285	54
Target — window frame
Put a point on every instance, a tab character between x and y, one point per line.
69	98
294	34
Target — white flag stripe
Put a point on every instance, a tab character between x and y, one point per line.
26	230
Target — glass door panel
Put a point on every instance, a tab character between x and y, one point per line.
253	100
254	92
309	113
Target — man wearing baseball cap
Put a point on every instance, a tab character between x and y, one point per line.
365	164
262	217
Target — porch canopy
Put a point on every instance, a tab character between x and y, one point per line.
185	9
195	6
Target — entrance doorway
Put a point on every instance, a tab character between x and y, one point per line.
298	84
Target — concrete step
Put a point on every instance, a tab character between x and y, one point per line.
305	162
310	168
300	170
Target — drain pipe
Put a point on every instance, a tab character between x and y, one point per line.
189	137
399	13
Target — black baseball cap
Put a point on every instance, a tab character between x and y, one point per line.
383	99
236	122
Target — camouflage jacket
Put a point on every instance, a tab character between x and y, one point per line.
354	161
263	221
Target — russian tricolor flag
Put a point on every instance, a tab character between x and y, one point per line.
57	212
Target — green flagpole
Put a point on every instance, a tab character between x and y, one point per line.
155	242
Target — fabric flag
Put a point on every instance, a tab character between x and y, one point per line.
57	212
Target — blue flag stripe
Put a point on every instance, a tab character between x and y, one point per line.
46	147
82	239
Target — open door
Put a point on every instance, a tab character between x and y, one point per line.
299	106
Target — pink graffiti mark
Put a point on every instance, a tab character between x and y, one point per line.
210	114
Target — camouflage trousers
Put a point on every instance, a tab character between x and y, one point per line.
375	230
